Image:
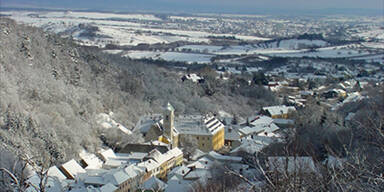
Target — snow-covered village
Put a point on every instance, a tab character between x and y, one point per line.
146	101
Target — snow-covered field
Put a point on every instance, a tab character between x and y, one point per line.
171	56
326	52
122	29
101	29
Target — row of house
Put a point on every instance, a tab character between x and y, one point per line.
112	172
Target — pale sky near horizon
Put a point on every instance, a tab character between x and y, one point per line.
226	5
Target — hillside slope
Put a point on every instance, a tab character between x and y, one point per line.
51	90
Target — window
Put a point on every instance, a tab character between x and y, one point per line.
197	138
167	117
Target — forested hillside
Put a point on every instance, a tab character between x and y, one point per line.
51	90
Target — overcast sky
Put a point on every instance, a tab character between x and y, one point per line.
200	5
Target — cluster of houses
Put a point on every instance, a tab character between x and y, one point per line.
109	171
331	95
161	164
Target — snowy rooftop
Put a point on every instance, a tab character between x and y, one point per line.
154	184
279	110
106	154
72	168
91	160
55	172
198	125
108	188
221	157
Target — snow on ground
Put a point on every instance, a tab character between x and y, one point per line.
203	19
326	52
98	15
372	58
121	27
377	33
224	114
375	45
293	44
235	50
171	56
113	51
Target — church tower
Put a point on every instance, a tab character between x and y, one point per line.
169	121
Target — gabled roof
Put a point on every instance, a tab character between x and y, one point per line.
175	152
154	183
179	171
91	160
108	188
260	120
106	154
271	128
72	168
250	130
279	110
202	163
55	172
250	146
179	185
94	180
149	165
198	174
198	125
133	171
116	177
221	157
231	134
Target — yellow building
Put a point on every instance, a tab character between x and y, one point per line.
207	131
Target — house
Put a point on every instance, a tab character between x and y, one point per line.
54	181
147	122
335	93
116	179
154	184
159	164
259	125
71	169
193	77
232	136
135	175
284	123
90	161
277	112
106	154
108	188
179	184
166	161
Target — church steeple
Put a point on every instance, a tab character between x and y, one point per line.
169	120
